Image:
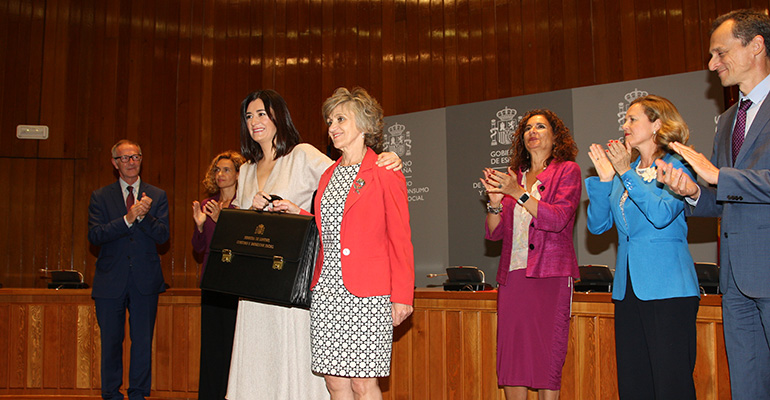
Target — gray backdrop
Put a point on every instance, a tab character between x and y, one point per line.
420	140
445	150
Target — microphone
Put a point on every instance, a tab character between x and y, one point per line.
435	275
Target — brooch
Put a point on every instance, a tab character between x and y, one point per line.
647	174
358	185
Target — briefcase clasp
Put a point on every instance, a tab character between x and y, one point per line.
227	256
278	262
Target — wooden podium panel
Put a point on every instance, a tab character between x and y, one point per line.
447	350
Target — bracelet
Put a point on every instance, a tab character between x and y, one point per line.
494	210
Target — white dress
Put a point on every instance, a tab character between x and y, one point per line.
271	347
350	336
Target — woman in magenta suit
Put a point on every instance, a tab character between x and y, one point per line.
363	284
532	210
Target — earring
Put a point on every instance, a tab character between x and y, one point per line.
654	133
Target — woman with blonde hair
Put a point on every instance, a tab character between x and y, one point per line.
363	283
655	289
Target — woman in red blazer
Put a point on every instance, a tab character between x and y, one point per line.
363	283
532	209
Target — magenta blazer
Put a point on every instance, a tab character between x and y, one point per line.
551	248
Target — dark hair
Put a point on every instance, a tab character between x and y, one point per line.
748	24
210	181
564	147
286	135
367	111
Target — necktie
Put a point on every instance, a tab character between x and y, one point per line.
130	198
739	131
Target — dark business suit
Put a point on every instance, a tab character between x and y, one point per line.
742	199
128	276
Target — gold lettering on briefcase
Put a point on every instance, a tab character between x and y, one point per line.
259	230
227	255
278	262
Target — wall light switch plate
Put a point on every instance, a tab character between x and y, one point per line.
32	132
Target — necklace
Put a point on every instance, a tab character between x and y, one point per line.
647	174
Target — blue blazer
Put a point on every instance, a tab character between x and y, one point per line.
742	199
125	249
652	234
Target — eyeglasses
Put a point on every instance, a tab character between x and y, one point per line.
124	159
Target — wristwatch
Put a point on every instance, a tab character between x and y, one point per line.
523	199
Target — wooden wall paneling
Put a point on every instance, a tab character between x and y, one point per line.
516	49
193	335
665	40
471	375
556	20
453	359
422	39
7	267
437	54
5	351
529	69
676	37
162	349
464	55
438	347
51	346
602	54
17	43
34	346
542	49
503	55
489	49
476	51
387	77
451	70
84	357
570	35
628	52
376	55
68	338
608	383
362	25
488	354
17	324
412	89
282	43
695	50
399	80
615	40
180	348
705	379
421	371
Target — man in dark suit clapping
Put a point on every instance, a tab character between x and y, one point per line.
127	219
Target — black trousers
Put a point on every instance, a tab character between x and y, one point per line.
218	314
655	347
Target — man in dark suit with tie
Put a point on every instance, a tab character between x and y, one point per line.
128	219
738	175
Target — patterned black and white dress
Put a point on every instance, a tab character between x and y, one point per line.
350	336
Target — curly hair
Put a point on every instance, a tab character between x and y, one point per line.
564	146
367	111
286	135
672	125
210	181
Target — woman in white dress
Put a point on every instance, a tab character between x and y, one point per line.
271	353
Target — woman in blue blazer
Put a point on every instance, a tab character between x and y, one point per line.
655	289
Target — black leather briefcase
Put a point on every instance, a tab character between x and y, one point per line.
263	256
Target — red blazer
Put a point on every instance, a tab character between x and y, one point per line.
375	238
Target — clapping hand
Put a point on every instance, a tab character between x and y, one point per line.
619	155
603	166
